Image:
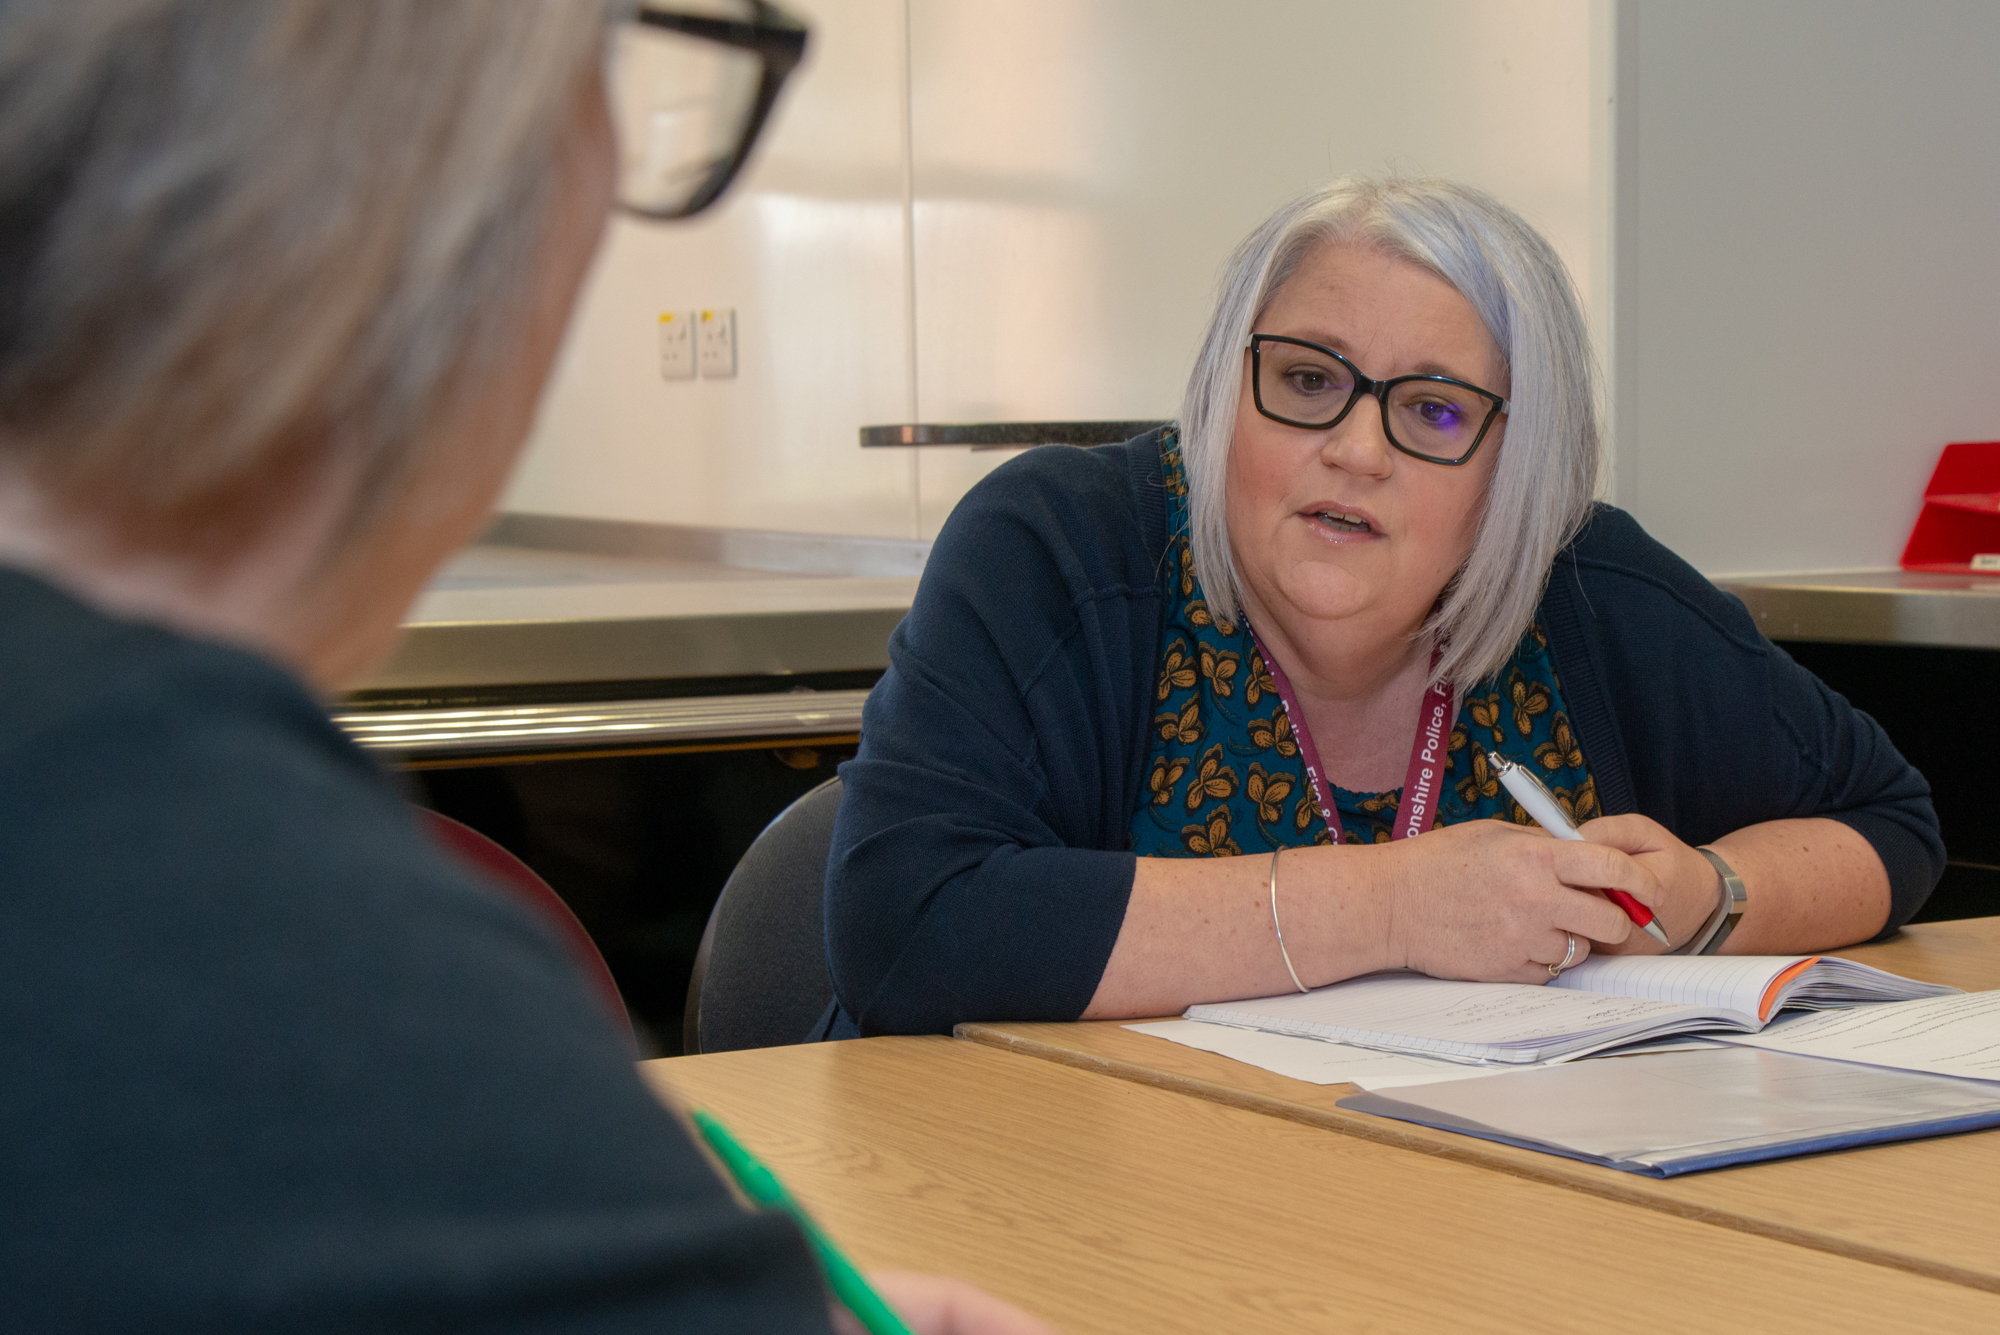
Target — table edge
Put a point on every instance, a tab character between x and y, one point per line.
1624	1188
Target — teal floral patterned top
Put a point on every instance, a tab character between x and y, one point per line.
1224	775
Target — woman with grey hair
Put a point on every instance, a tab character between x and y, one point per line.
280	283
1221	712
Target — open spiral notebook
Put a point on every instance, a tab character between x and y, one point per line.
1605	1002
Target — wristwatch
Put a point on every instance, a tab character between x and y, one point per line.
1727	911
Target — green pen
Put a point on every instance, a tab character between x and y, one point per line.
761	1185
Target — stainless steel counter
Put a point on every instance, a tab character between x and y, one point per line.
559	604
1874	607
564	603
645	625
650	602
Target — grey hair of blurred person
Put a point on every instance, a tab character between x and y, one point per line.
239	238
1546	476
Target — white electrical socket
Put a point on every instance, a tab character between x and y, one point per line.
717	343
677	345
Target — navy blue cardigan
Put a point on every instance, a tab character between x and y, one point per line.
979	869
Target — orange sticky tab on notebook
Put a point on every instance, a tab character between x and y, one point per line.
1778	985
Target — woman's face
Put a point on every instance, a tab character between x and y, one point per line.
1337	525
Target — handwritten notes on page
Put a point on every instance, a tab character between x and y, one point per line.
1954	1035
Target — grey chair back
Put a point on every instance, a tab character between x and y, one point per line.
760	976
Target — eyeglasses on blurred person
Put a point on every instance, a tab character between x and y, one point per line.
690	89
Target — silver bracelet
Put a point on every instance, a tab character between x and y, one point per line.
1279	930
1729	907
1734	900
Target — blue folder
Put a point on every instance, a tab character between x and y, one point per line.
1665	1114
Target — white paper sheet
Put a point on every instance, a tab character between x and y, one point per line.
1312	1059
1955	1035
1319	1062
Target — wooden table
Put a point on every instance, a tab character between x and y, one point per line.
1928	1207
1105	1205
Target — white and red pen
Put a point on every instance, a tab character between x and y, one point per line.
1538	802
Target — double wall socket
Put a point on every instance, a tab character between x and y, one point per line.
676	345
715	340
704	339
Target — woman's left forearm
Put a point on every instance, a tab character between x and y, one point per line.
1813	884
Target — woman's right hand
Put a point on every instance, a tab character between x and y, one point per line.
1491	901
1485	900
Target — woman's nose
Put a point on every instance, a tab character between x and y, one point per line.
1359	444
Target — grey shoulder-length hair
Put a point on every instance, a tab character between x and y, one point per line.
1542	487
237	234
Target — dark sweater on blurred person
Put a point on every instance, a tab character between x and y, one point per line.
270	1061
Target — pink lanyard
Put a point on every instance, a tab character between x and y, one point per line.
1427	754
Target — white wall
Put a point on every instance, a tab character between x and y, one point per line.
1076	172
1082	170
1786	214
809	250
1808	256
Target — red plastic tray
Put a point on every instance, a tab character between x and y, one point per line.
1958	530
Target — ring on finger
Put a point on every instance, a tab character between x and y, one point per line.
1569	957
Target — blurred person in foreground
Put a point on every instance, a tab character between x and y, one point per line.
280	284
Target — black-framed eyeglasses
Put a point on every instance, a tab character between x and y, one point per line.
1429	417
691	84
